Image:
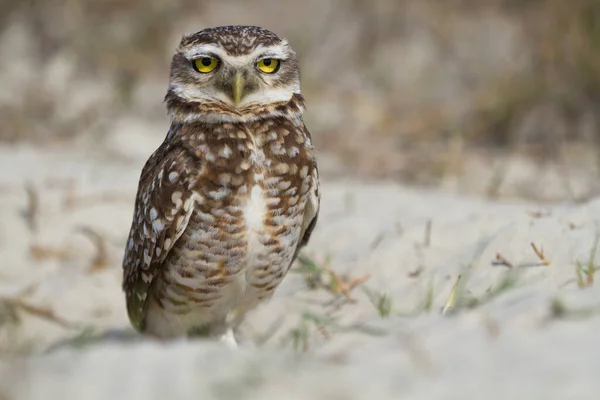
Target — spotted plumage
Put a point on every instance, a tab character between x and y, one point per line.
231	195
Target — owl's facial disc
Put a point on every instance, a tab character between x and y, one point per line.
265	75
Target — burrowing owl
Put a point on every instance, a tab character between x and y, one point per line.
231	195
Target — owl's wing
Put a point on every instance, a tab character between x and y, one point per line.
311	212
163	207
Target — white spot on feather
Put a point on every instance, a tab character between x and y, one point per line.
284	185
273	201
176	199
157	226
220	193
225	152
147	278
272	181
304	172
293	200
293	151
173	176
259	177
224	178
147	258
282	168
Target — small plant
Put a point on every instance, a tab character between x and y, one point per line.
381	301
558	310
311	271
585	273
321	276
88	336
540	253
459	299
301	336
311	325
452	298
425	305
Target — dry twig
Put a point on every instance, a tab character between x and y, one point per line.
537	214
427	238
377	241
44	313
42	253
343	286
416	272
503	261
313	274
31	213
540	253
101	260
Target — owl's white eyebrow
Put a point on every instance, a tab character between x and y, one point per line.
204	50
269	54
279	51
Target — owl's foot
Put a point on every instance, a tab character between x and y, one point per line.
219	332
228	339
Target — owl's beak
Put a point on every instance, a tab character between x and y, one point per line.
238	87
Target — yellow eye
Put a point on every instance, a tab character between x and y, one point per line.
205	64
268	65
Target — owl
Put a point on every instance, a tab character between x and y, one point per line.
229	198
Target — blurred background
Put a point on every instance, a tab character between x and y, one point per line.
495	98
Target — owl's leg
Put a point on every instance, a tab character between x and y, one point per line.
221	331
228	339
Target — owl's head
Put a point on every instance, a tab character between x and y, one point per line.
231	73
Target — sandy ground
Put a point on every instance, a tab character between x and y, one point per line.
526	332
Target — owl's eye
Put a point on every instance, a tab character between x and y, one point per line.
268	65
205	64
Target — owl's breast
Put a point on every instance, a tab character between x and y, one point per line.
251	192
272	230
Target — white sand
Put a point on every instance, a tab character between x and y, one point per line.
508	347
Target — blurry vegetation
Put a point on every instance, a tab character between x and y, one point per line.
396	89
585	272
321	276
